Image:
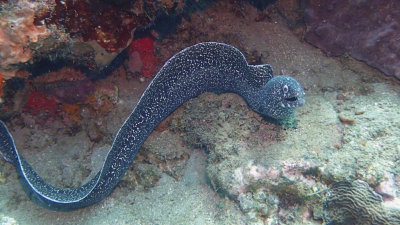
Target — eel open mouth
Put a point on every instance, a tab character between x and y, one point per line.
294	101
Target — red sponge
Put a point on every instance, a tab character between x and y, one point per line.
145	48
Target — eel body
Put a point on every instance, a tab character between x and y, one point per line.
204	67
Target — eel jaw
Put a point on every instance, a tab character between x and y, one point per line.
294	101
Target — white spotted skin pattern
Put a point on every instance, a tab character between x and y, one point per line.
205	67
278	99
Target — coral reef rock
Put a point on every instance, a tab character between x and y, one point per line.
367	30
17	31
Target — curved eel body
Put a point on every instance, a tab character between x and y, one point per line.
204	67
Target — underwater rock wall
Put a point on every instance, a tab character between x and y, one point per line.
367	30
90	33
38	37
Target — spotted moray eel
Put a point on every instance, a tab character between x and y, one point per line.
204	67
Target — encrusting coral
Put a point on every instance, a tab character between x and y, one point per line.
17	31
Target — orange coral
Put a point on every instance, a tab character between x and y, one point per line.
17	30
72	111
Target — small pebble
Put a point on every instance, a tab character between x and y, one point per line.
346	120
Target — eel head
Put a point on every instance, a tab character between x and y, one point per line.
279	98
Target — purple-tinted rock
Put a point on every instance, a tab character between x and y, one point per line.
367	30
70	92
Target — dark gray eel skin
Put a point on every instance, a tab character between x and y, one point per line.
204	67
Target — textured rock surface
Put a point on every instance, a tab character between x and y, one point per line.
262	167
353	203
167	151
367	30
83	33
17	31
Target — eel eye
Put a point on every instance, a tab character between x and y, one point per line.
285	89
